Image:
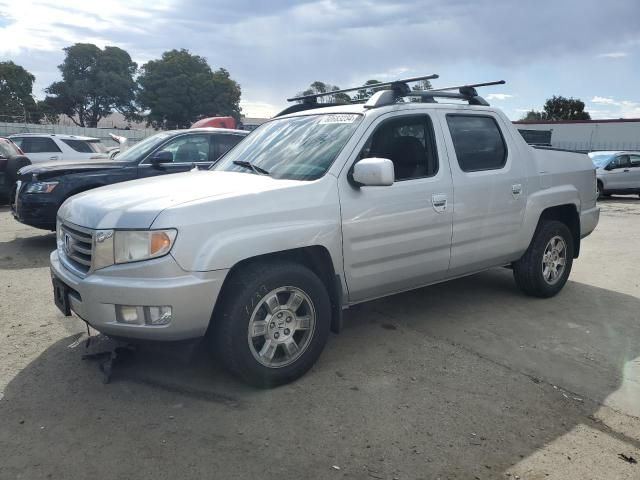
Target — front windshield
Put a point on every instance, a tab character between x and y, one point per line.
601	160
295	148
142	148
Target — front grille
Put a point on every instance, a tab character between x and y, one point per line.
76	244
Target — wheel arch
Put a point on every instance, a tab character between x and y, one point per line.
567	214
315	257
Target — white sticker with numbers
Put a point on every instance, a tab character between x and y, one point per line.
338	118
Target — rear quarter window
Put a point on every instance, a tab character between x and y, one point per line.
478	142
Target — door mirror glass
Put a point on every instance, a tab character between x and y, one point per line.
373	172
163	156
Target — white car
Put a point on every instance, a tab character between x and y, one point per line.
47	147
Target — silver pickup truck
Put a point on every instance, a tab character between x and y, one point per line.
313	212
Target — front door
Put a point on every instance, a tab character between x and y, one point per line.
618	175
398	237
490	191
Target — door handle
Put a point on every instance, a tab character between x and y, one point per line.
55	157
626	170
439	202
516	189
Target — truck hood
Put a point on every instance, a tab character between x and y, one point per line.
137	203
54	169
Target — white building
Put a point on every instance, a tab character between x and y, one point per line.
584	135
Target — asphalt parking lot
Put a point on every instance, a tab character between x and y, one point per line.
468	379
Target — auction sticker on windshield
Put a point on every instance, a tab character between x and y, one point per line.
338	118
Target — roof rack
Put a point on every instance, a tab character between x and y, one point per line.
465	92
388	96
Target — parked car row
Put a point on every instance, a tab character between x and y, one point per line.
42	188
321	208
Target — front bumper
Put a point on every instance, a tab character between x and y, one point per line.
36	210
192	296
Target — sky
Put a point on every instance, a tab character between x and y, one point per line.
587	49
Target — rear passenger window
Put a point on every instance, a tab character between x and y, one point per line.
38	145
224	143
409	142
478	142
79	145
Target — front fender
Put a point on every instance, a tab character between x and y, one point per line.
216	235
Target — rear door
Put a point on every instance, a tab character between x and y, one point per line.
634	172
398	237
619	176
489	190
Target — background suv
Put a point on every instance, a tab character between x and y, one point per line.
617	172
49	147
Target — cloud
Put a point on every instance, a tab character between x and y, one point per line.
613	55
499	96
603	100
614	108
277	48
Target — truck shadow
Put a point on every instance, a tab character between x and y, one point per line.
27	252
461	380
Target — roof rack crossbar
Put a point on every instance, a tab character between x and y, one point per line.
395	85
473	85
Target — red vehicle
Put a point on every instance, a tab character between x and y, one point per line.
218	122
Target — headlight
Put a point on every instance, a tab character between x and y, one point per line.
124	246
41	187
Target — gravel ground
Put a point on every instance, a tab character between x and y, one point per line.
468	379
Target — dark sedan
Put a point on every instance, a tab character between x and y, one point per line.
42	188
12	159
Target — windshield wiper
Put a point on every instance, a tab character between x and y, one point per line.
255	168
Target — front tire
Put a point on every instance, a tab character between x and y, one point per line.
545	267
272	324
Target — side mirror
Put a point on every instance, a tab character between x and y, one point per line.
609	166
163	156
373	172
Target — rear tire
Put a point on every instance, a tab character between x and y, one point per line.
545	267
272	324
600	191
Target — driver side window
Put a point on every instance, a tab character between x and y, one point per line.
409	142
620	162
189	148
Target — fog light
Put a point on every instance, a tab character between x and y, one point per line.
128	314
158	315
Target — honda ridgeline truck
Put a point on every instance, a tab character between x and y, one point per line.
315	211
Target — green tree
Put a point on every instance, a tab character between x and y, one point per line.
559	108
321	87
16	100
422	85
94	83
364	93
180	88
532	116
